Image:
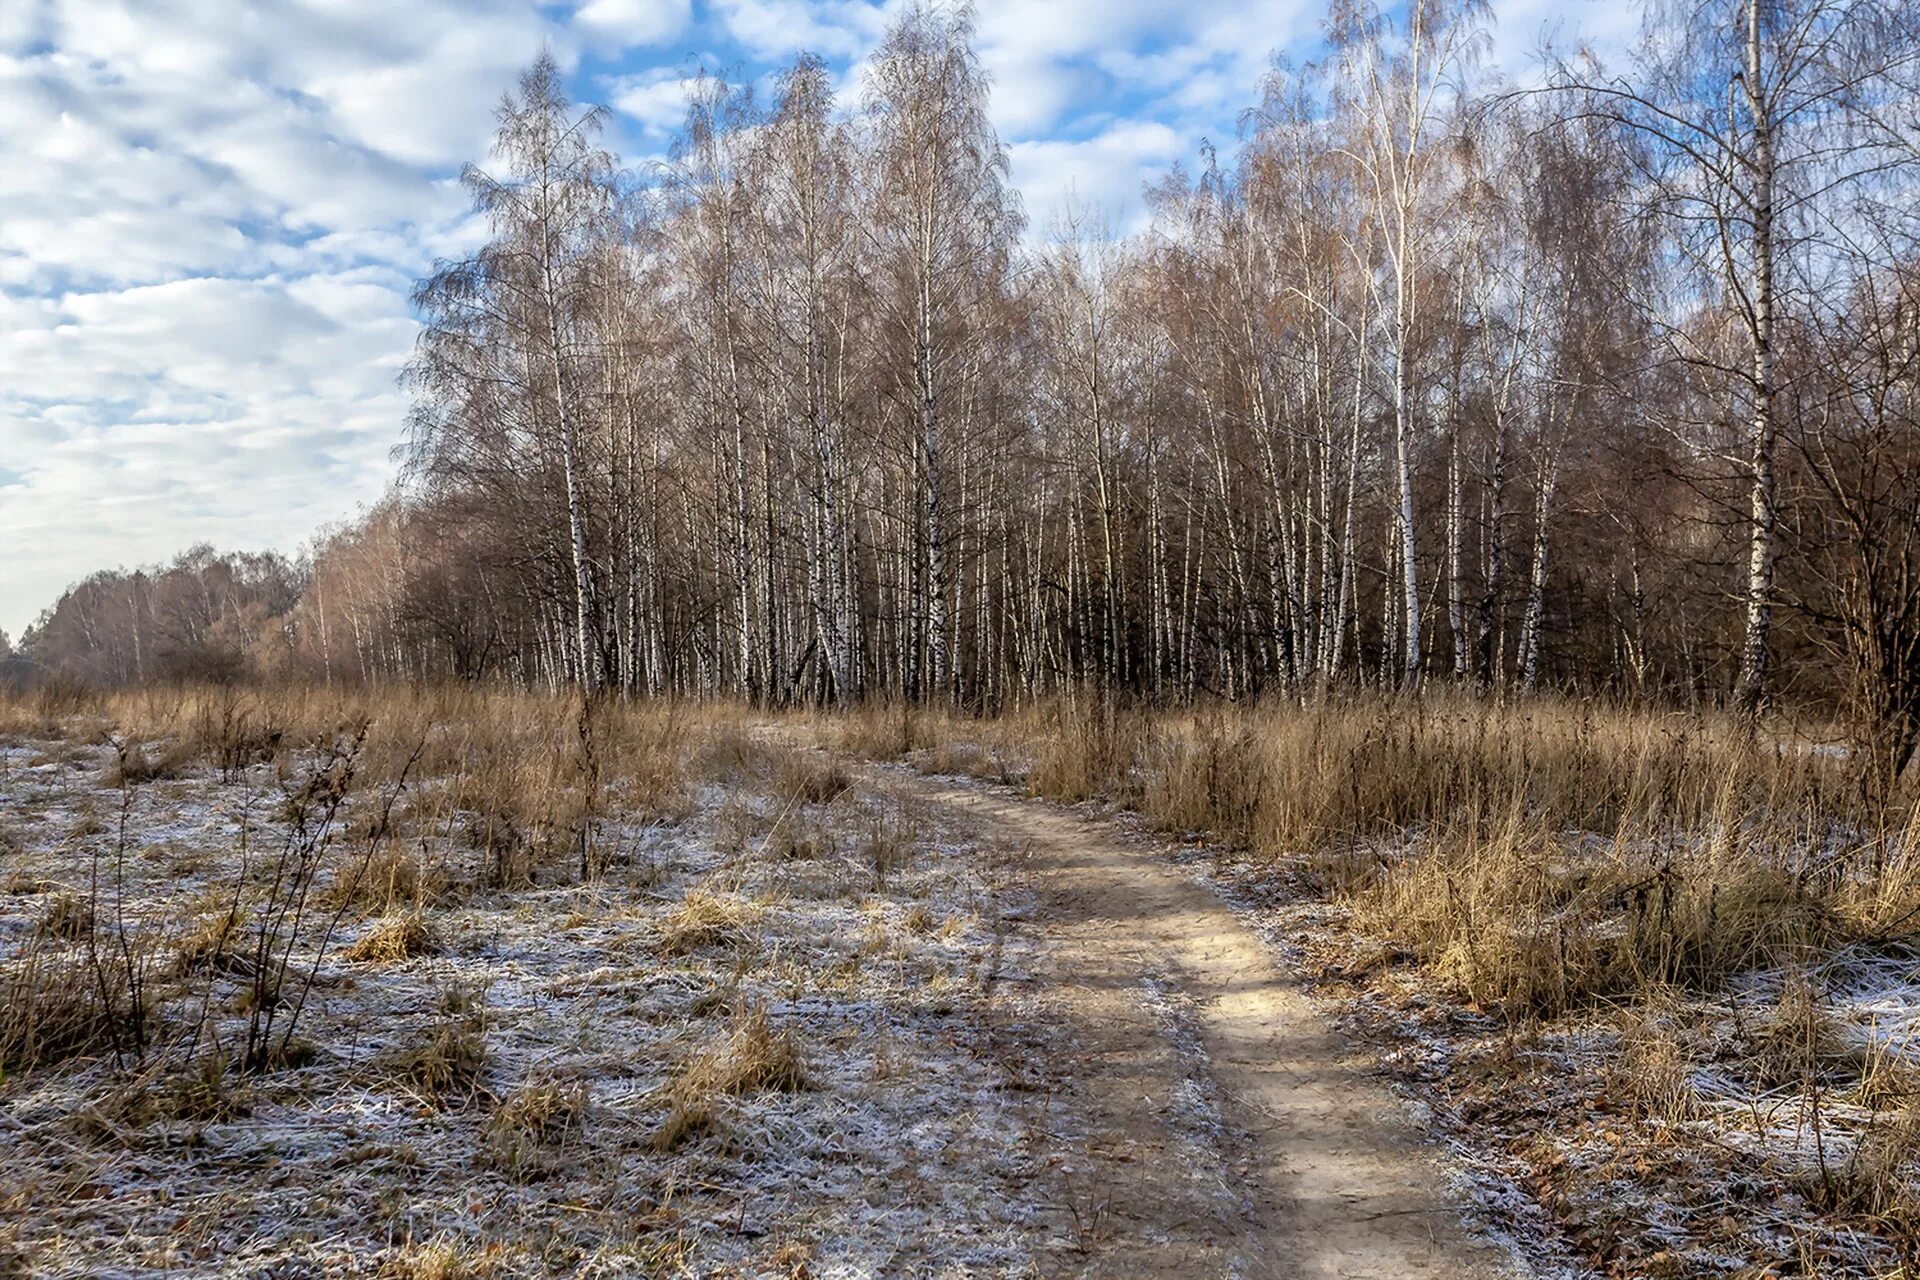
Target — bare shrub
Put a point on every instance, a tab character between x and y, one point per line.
312	811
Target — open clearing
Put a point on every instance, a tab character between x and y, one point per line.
795	1018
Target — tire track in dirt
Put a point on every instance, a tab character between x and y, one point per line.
1221	1130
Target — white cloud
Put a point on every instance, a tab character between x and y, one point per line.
431	106
775	30
1098	179
246	412
657	99
210	218
627	23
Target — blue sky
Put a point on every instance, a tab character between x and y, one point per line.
211	211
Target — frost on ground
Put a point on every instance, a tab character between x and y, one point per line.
1764	1131
758	1037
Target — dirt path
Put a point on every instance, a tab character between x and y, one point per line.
1223	1134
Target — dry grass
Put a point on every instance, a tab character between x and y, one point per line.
439	1260
1518	918
394	879
810	778
1656	1060
535	1123
206	1090
67	915
1285	778
964	759
883	730
333	833
704	920
1536	855
796	838
50	709
534	757
753	1057
886	845
135	763
1566	875
549	1111
55	1004
448	1062
1533	866
212	941
395	939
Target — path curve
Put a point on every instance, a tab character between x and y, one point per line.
1317	1169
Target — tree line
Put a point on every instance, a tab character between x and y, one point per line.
1605	383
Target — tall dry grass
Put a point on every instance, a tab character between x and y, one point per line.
521	768
357	802
1537	854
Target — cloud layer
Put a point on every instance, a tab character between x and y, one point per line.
211	212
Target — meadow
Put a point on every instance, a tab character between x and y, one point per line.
456	982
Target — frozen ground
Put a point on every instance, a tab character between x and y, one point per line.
859	930
1761	1132
1766	1129
805	1019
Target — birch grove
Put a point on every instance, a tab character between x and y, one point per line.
1600	384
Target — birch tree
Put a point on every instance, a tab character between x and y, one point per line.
1762	120
943	230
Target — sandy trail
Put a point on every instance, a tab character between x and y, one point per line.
1222	1131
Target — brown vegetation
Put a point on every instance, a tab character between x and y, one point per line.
296	931
1693	893
1538	854
751	1057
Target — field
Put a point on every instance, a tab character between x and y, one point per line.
460	984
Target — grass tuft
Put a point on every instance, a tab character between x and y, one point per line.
704	920
395	939
754	1057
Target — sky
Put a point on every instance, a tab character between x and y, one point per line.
212	211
